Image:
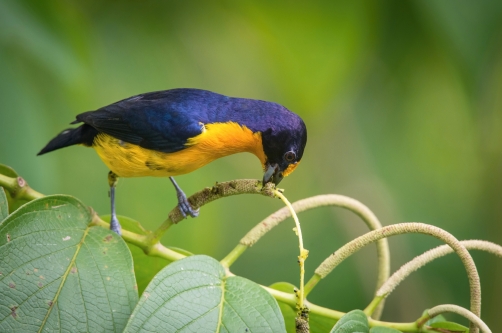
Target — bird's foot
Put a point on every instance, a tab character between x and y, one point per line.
115	225
185	207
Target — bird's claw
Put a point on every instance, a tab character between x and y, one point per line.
185	207
115	225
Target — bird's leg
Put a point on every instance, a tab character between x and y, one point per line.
114	222
183	203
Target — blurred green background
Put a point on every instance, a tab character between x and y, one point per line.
402	101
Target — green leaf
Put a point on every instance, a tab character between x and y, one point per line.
145	267
317	322
284	287
59	274
194	295
434	319
8	171
354	321
4	206
381	329
288	312
449	326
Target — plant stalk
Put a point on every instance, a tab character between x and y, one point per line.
348	249
437	310
209	194
18	188
354	206
233	255
303	252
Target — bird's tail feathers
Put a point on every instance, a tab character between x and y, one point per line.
81	135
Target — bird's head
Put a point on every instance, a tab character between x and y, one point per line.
283	147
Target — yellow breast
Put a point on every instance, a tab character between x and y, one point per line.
216	140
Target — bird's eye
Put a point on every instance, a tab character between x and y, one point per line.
290	156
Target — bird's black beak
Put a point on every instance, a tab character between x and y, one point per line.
273	173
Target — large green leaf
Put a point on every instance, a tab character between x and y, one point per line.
194	295
59	274
353	322
145	267
4	206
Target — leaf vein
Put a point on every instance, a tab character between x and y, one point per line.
104	287
220	317
30	296
32	260
34	232
65	275
170	299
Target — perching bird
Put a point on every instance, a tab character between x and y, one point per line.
174	132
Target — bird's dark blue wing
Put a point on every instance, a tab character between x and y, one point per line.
161	121
165	120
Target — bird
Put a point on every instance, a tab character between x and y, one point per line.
174	132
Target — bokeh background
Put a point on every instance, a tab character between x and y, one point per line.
402	101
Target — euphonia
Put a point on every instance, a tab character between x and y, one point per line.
174	132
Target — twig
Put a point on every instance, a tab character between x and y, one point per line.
18	188
142	241
209	194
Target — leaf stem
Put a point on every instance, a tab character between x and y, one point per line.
233	255
351	204
291	300
142	241
373	305
312	283
303	252
403	327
